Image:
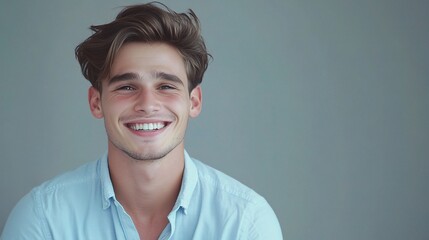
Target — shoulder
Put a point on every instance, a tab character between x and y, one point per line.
79	176
257	219
28	218
67	192
221	183
24	221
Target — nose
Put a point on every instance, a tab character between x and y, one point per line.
146	102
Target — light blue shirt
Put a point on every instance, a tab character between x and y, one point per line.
81	204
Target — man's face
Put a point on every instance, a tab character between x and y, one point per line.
145	101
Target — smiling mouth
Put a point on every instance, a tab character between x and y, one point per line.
147	127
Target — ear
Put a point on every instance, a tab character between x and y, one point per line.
94	100
196	101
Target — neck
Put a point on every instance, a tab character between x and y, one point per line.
147	188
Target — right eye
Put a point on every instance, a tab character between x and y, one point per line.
126	88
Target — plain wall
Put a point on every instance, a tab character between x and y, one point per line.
320	106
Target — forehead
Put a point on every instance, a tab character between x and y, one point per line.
146	58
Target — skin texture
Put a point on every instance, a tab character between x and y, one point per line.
147	84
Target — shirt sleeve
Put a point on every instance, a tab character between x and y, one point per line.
261	223
24	222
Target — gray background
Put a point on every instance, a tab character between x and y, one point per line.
320	106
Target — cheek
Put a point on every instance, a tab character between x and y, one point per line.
112	109
178	104
114	102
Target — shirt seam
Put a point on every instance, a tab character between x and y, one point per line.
58	186
248	196
41	192
247	219
39	212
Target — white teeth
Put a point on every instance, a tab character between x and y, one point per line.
147	126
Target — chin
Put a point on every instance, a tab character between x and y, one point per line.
146	156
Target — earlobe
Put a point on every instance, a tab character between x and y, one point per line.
94	100
196	101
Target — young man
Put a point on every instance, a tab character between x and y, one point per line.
145	68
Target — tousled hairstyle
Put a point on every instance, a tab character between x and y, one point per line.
147	23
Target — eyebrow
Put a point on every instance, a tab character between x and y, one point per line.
168	77
123	77
134	76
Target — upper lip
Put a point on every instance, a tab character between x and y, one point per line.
145	120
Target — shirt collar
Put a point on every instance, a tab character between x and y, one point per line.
189	181
106	183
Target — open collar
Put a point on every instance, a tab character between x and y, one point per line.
189	181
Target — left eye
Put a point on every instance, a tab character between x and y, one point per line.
166	87
126	88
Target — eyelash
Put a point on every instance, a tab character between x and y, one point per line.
126	88
130	88
165	87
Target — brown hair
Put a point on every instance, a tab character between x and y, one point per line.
152	22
